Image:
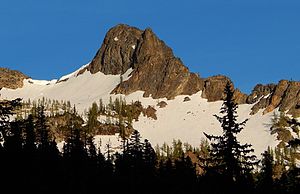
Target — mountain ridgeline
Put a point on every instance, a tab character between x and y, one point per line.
158	73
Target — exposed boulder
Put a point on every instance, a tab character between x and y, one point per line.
150	112
11	79
186	99
162	104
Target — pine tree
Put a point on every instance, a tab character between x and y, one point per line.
101	106
231	159
42	129
7	109
265	181
92	119
30	136
149	157
177	149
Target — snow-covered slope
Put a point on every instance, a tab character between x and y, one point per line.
178	120
80	90
188	120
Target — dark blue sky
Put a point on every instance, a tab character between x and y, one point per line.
255	41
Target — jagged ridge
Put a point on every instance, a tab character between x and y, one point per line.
285	96
160	74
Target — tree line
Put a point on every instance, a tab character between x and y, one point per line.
31	162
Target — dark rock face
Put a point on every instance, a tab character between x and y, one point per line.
116	53
260	91
260	96
214	86
157	71
213	89
11	79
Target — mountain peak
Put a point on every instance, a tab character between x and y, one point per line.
155	68
115	55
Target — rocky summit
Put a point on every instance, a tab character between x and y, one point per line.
155	68
11	79
159	73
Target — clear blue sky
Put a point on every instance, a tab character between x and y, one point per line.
251	41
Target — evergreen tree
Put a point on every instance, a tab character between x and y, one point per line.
231	159
30	136
101	106
42	129
7	109
92	119
265	181
149	158
13	141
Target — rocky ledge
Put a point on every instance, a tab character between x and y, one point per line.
285	96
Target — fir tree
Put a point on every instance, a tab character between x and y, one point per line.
42	129
231	159
7	109
265	181
30	136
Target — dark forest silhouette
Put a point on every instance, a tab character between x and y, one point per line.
31	162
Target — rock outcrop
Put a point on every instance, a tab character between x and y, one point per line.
11	79
158	73
116	54
156	70
285	96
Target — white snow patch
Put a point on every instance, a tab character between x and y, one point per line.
267	96
40	82
188	120
114	141
101	142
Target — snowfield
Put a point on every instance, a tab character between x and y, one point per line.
178	120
